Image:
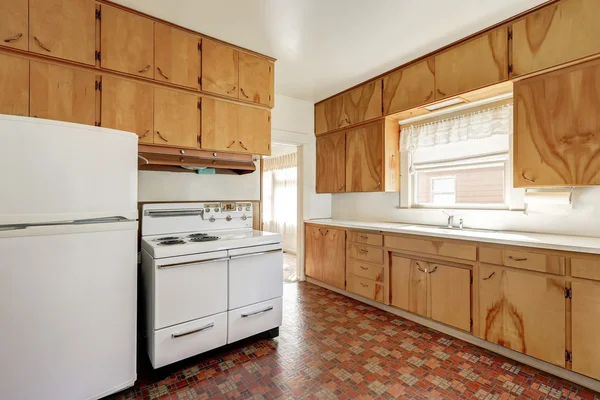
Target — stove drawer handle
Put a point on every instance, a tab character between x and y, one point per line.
175	213
256	254
210	260
270	308
178	335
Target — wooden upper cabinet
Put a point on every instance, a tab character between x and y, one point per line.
254	130
409	87
331	163
63	28
14	85
558	33
479	62
127	42
219	125
256	79
220	68
128	106
176	118
557	128
450	295
176	56
328	115
62	94
585	325
14	24
326	255
364	159
362	104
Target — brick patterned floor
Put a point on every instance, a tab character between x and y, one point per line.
333	347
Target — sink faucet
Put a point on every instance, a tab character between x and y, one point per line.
450	219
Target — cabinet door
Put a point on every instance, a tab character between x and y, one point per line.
256	79
331	163
556	34
334	257
14	21
328	115
313	252
523	312
254	130
586	324
14	85
62	94
408	285
64	29
364	159
176	56
220	69
219	125
127	42
128	106
409	87
176	118
480	62
362	104
556	121
450	295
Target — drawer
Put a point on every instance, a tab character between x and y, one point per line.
372	239
178	342
364	287
257	318
365	253
430	246
365	270
523	259
587	269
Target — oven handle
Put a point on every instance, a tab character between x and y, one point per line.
257	254
178	335
270	308
210	260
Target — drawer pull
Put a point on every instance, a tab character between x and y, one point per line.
363	285
270	308
364	268
41	44
517	258
364	237
162	73
13	38
256	254
210	260
363	251
146	68
490	276
178	335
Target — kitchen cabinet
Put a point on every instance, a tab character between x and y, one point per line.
325	258
254	130
408	285
585	312
176	56
555	34
556	124
364	287
176	118
364	159
127	42
331	163
523	311
328	115
433	246
128	106
409	87
523	259
14	85
64	29
14	24
476	63
220	69
62	94
256	79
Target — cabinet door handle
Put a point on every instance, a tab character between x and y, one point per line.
13	38
162	137
440	92
162	73
429	97
363	268
433	270
231	144
243	147
146	68
178	335
232	90
526	178
144	135
517	258
341	188
490	276
378	185
244	93
41	44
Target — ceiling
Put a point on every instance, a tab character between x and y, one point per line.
326	46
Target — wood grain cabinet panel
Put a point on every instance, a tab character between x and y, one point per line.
331	163
449	295
14	24
220	69
523	259
474	64
372	239
63	28
365	270
328	115
254	130
364	287
364	159
128	106
409	87
365	253
460	250
361	104
256	79
408	285
176	118
127	42
326	255
556	34
62	94
586	269
557	128
176	56
14	85
523	312
585	326
219	125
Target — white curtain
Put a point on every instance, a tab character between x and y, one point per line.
280	181
478	125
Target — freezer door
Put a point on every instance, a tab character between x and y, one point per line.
57	171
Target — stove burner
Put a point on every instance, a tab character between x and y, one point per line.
172	241
204	239
162	239
197	235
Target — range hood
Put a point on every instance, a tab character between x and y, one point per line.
183	160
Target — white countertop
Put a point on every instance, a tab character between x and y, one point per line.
578	244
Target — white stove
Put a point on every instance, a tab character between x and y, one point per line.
209	278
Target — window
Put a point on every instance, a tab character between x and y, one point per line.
443	190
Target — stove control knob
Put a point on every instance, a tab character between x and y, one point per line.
216	210
239	208
207	210
247	208
212	219
228	218
244	217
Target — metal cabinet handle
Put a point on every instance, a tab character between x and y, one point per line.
492	274
162	137
244	93
146	68
378	185
144	135
526	178
440	92
13	38
363	237
232	90
262	253
517	258
178	335
363	251
231	144
363	268
41	44
433	270
185	264
243	147
257	312
421	269
162	73
341	188
429	97
363	285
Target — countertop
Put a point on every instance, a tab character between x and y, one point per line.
577	244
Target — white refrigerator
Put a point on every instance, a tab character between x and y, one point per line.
68	260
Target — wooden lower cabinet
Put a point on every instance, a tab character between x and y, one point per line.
585	312
408	285
176	118
325	258
14	85
523	311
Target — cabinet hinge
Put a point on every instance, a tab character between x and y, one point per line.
568	356
99	15
568	293
199	105
98	56
200	81
99	86
471	279
509	34
200	46
98	123
200	140
471	322
510	68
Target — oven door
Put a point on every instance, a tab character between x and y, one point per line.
255	275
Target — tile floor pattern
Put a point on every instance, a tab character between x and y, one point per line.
333	347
